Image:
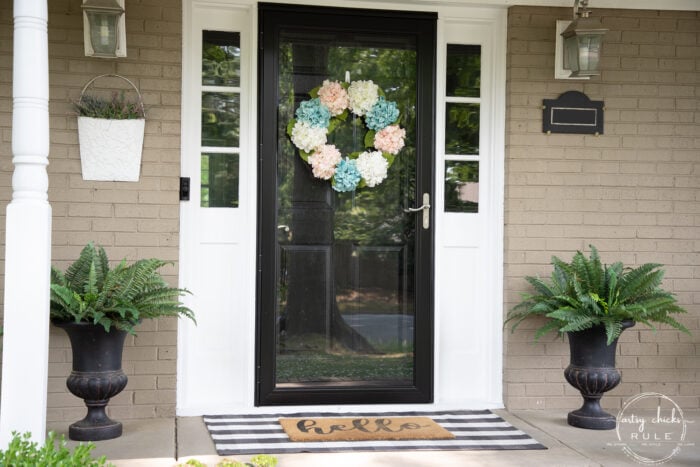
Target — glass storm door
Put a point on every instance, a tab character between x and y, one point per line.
345	278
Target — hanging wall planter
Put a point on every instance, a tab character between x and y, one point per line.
110	133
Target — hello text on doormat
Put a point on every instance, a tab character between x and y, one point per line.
363	429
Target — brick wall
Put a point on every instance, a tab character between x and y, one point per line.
634	192
131	220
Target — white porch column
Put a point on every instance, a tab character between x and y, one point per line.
28	229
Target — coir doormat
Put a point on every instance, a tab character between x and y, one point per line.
263	434
362	429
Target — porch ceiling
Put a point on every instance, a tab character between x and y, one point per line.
682	5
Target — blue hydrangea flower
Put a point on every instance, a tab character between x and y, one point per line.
346	176
314	113
382	114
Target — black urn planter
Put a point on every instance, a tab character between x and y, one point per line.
97	376
592	371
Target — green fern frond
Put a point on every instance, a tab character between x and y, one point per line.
62	301
565	315
596	271
550	326
665	319
560	280
640	281
580	323
102	265
581	268
119	297
540	286
90	286
660	303
610	284
581	292
613	328
142	275
57	277
567	301
78	272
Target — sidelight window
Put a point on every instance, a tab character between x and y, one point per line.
221	119
462	127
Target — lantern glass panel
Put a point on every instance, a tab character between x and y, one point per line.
589	52
103	32
571	53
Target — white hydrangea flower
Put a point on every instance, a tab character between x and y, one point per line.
363	96
308	138
373	167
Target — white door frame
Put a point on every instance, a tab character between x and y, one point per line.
216	358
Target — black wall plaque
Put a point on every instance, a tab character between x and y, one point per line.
572	112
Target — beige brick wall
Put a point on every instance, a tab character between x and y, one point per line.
131	220
634	192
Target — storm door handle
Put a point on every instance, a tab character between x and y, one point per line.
425	208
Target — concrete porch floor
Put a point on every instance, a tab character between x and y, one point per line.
168	441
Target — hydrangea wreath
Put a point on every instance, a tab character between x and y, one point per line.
329	107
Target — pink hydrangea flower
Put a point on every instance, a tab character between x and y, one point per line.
390	139
333	96
324	160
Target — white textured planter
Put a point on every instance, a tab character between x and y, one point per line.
110	149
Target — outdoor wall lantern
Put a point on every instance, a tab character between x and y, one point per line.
104	28
579	44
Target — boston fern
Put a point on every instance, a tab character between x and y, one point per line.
121	297
586	293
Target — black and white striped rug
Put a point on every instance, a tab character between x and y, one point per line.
262	434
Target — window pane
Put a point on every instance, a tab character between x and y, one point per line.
461	186
220	119
462	129
463	70
221	58
219	180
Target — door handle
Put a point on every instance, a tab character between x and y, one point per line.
425	208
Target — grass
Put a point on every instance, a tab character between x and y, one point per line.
306	367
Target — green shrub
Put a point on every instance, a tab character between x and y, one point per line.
261	460
21	452
193	462
230	463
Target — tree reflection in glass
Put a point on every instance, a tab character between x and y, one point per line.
345	287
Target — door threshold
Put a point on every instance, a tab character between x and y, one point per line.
337	408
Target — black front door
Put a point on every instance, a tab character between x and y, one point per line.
345	289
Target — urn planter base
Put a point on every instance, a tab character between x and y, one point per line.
592	371
96	426
592	417
97	376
